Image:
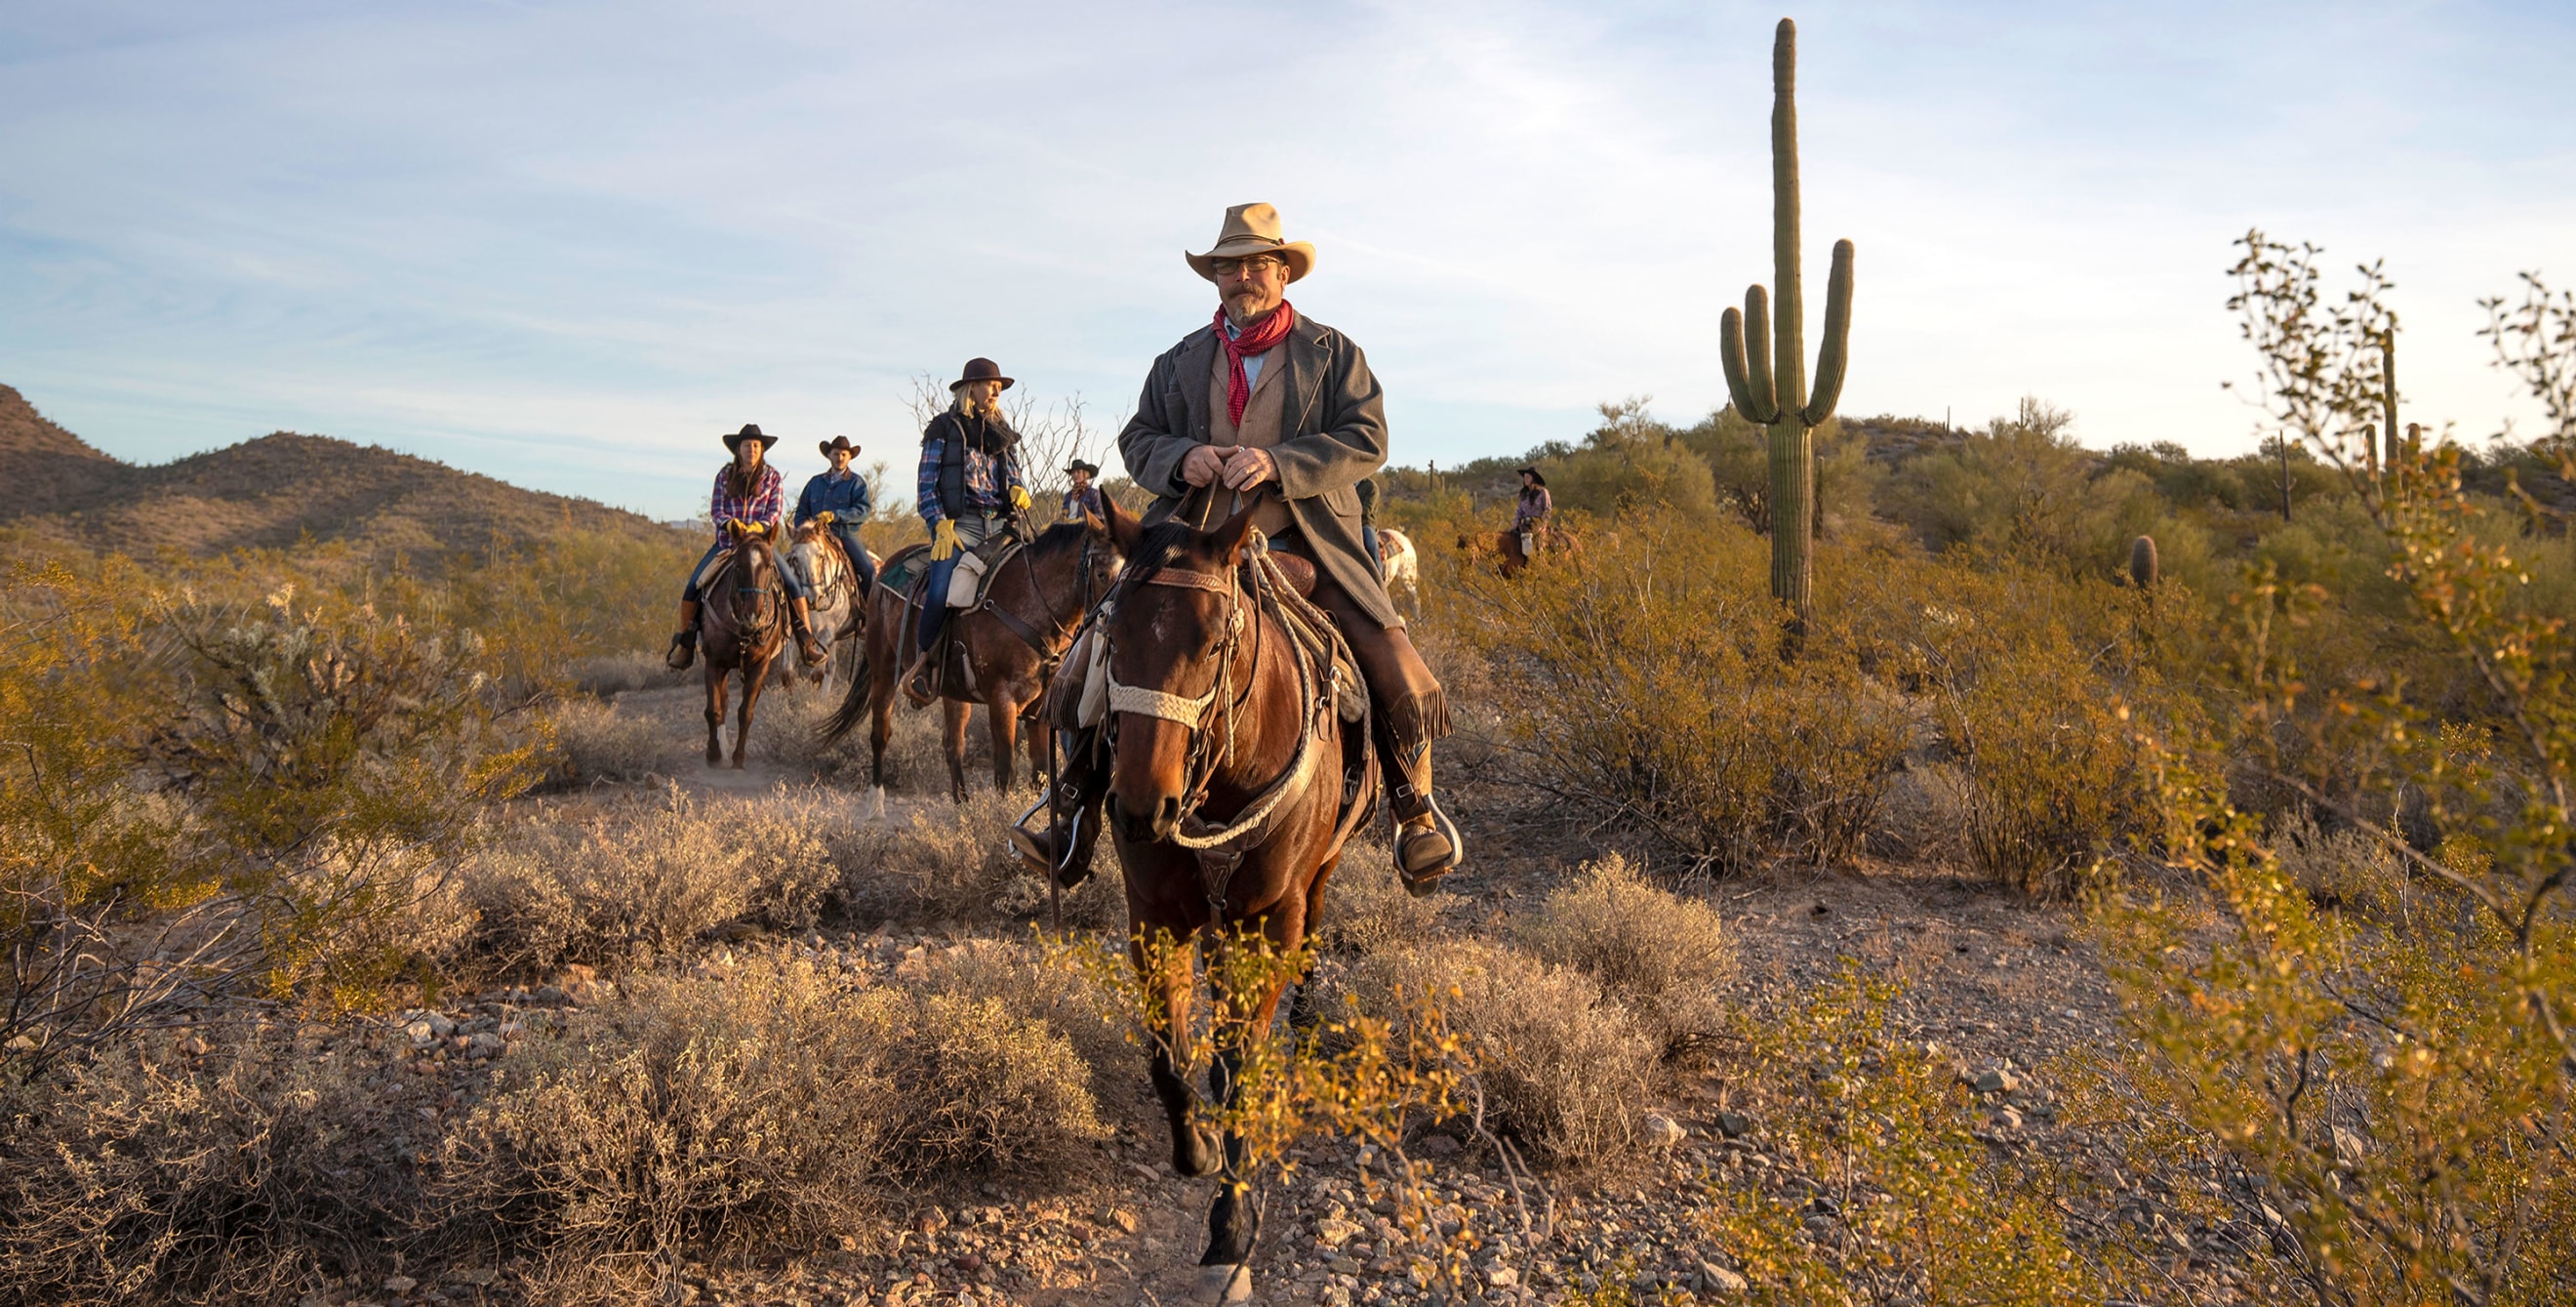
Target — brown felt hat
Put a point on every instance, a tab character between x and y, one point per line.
1079	466
837	442
1253	229
980	370
750	431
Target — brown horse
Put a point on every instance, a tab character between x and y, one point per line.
1012	641
744	625
1227	694
1503	548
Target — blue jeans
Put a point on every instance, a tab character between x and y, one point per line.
848	534
689	592
934	608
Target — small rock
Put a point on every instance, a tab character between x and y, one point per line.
421	1032
1502	1277
1661	1131
2349	1147
968	1262
487	1044
1717	1279
1436	1145
480	1277
1997	1080
1733	1125
2007	1119
552	995
400	1284
1125	1220
1333	1233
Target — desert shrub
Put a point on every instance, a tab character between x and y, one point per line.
1563	1067
223	798
1644	680
1664	956
1930	1213
767	1104
598	742
1023	979
643	876
1366	907
1632	462
945	861
241	1173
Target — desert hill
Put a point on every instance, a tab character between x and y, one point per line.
269	492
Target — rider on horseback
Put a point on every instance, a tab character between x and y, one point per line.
1530	514
1263	397
839	500
746	504
968	488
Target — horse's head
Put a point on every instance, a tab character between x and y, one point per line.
1181	619
753	583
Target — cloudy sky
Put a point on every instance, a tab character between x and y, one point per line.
569	243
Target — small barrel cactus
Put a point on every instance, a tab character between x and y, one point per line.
2142	562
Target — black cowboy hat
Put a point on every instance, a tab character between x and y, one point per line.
1534	474
981	370
750	431
836	442
1078	465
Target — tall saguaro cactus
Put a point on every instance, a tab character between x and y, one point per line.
1769	382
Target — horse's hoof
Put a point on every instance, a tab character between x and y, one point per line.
876	802
1231	1282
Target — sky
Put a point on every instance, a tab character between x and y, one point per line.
569	244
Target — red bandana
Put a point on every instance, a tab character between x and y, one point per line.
1256	339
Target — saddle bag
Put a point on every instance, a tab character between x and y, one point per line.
966	584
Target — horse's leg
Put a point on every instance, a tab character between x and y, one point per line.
1002	722
880	673
1041	745
754	674
1302	1010
715	678
1162	957
1234	1224
953	732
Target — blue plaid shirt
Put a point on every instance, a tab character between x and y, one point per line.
988	483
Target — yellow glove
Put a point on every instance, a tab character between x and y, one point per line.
943	541
824	517
1019	497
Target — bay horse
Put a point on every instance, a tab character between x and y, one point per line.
1227	694
1012	640
1503	548
743	625
839	611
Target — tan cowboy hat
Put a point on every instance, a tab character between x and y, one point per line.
1253	229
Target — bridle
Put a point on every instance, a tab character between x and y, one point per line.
740	570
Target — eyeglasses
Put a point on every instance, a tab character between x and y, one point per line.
1231	267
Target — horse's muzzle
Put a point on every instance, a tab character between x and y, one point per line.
1146	828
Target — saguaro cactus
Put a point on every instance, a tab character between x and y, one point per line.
1769	382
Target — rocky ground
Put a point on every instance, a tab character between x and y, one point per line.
2005	991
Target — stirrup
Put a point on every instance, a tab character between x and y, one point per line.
684	651
913	684
1038	849
1422	882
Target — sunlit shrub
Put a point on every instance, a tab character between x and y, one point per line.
1663	955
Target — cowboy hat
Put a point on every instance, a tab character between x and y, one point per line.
1253	229
981	370
1078	465
1533	474
750	431
836	442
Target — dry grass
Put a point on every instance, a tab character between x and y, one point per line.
767	1106
946	862
1662	955
237	1175
613	674
1366	909
643	876
1564	1067
600	743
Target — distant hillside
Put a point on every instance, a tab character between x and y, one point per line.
269	492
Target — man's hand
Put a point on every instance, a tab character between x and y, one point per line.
1247	467
1020	497
943	541
1204	465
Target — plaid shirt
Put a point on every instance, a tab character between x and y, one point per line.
762	505
988	480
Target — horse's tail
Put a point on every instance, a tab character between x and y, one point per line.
854	704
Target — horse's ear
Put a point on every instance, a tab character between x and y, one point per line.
1121	526
1227	540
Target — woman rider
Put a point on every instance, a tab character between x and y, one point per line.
969	484
747	502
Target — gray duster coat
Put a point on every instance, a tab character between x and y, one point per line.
1332	434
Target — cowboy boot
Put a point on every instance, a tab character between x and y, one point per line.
1427	844
801	621
684	645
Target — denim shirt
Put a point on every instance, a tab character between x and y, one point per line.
844	495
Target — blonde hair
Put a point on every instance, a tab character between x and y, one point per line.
965	401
